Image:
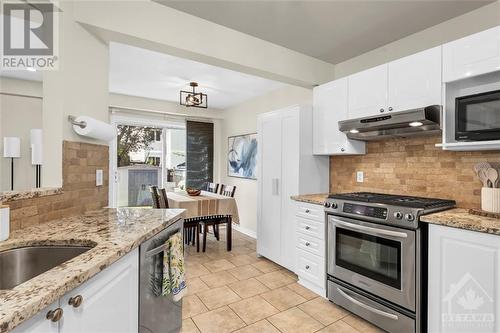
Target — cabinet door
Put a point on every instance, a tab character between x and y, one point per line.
329	107
39	323
368	92
415	81
269	181
464	284
110	301
472	55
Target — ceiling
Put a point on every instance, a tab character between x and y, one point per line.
140	72
333	31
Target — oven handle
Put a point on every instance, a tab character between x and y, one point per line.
367	307
390	233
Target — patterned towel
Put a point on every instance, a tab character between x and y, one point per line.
174	281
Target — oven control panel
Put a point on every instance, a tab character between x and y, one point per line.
369	211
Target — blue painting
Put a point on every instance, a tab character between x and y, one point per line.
242	156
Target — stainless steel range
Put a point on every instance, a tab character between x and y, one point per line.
376	257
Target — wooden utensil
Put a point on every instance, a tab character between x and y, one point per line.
480	169
492	175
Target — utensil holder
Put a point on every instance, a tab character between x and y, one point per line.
4	223
490	199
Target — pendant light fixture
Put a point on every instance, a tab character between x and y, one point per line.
192	98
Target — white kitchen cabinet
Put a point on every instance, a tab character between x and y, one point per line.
472	55
287	167
415	81
39	323
368	92
329	107
110	303
464	283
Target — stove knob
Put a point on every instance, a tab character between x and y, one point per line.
327	205
398	215
334	205
409	217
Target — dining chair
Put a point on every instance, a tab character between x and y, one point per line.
155	196
204	222
228	190
163	198
212	187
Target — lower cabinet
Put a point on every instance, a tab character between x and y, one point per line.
464	281
109	302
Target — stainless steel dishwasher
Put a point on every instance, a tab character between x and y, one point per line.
157	314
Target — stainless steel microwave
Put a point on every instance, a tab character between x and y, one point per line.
477	117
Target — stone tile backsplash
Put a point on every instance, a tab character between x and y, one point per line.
414	167
80	161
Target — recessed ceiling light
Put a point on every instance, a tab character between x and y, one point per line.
354	131
31	69
415	124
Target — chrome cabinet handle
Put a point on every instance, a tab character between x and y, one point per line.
367	307
307	210
390	108
76	301
307	243
55	315
307	267
307	227
342	149
382	110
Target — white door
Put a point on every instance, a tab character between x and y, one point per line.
290	159
472	55
329	107
269	214
39	322
464	284
368	92
110	301
415	81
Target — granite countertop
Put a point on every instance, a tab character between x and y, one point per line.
112	238
317	199
8	196
460	218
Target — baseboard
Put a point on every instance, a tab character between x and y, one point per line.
245	231
313	287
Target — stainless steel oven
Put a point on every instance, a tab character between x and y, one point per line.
376	258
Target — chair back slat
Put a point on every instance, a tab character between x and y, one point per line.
212	187
163	199
228	190
155	196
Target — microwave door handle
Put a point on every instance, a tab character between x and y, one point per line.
384	232
367	307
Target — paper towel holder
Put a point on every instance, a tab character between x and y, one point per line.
72	120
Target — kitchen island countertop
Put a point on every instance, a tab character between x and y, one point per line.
112	232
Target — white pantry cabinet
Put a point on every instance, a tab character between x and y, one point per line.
287	167
368	92
472	55
464	281
329	107
110	303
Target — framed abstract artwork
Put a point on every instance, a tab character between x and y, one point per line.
242	156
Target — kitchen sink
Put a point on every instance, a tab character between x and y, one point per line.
24	263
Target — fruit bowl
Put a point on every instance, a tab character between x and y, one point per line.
193	192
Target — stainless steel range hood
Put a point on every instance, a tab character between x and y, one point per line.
422	121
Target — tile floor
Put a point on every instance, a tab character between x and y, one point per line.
238	292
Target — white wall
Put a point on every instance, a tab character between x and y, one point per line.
242	119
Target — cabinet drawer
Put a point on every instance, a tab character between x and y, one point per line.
310	211
311	228
310	267
311	244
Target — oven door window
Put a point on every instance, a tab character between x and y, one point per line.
371	256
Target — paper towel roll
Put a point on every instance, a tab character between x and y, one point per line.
95	129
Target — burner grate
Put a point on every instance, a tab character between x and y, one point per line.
395	200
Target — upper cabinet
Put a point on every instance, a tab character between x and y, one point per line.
415	81
472	55
329	107
368	92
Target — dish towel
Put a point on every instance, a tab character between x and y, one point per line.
174	281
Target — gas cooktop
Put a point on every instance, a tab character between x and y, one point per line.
398	210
